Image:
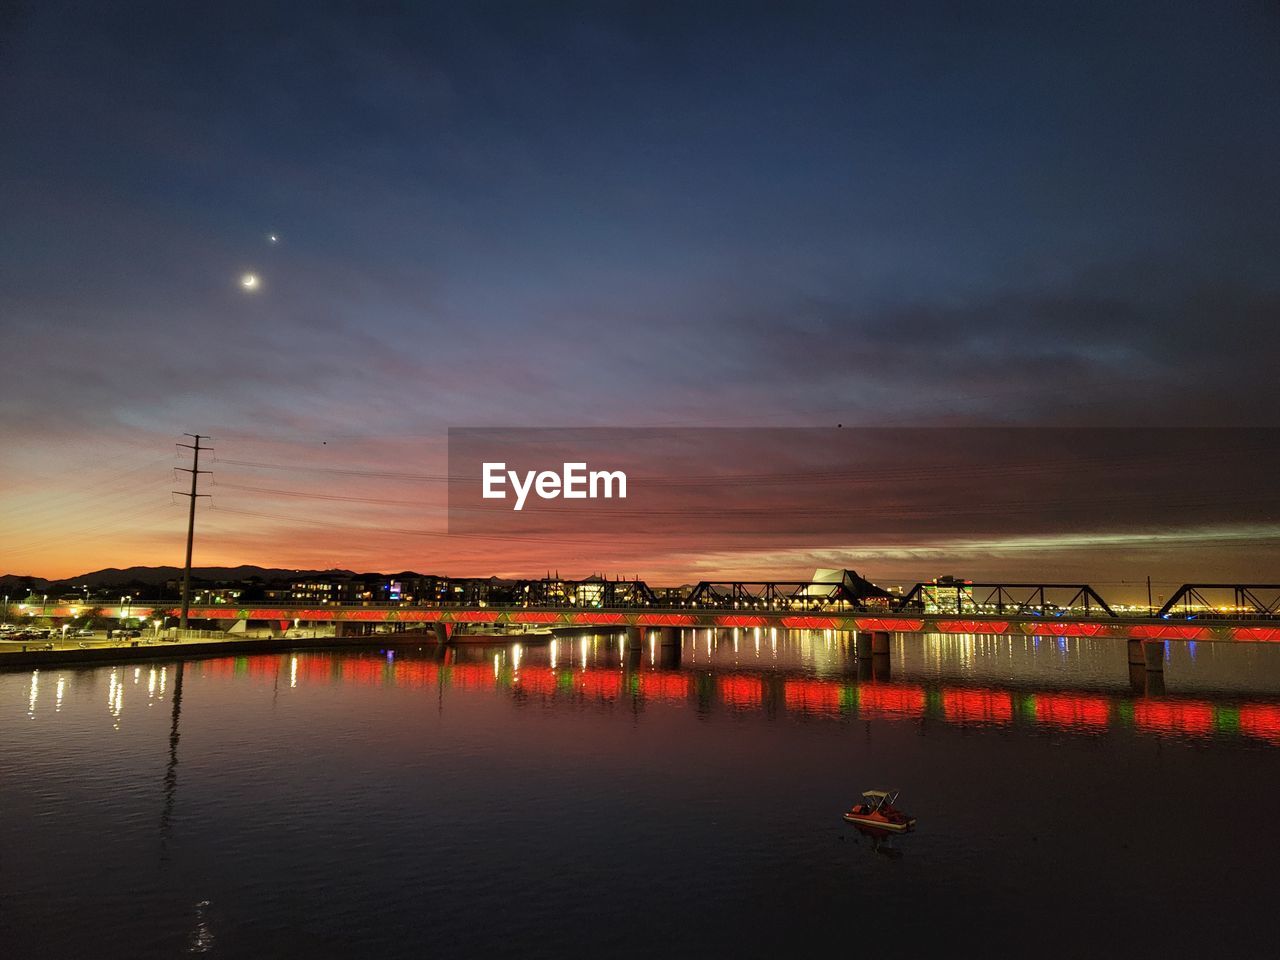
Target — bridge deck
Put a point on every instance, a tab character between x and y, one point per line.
1238	629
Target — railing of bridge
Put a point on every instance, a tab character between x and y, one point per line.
771	594
1013	599
1206	601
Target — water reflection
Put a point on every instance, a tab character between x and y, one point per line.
389	780
1076	685
969	681
115	698
882	841
171	767
201	939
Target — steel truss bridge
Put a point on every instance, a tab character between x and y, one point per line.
1242	612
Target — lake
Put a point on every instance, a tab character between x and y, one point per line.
583	797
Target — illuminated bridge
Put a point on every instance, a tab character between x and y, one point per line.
1196	612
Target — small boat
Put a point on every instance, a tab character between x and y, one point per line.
877	811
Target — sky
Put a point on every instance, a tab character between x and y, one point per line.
613	214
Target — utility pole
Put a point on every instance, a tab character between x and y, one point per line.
195	472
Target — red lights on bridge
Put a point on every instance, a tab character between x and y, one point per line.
890	624
1172	631
598	619
973	626
1178	630
1257	634
740	620
475	616
666	620
1055	628
535	616
811	623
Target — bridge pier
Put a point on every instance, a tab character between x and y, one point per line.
1155	683
1144	682
1148	654
667	648
442	630
1137	678
875	643
872	654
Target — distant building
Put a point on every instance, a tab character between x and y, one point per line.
948	595
216	595
855	589
324	590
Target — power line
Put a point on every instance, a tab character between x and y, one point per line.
381	474
275	491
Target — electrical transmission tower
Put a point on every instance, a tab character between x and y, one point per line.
195	472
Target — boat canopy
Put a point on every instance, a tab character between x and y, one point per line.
879	799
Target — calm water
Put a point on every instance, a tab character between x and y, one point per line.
584	798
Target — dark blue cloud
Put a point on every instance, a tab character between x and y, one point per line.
636	213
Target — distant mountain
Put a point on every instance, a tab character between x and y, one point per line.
154	576
158	576
15	581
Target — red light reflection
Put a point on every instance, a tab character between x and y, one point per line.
1071	710
978	706
740	691
1173	716
885	700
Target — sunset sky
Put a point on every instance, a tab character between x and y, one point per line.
616	214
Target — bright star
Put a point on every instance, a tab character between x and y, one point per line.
249	281
273	238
